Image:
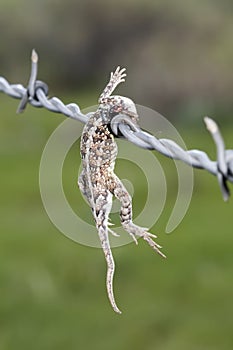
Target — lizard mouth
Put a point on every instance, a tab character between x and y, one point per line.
126	119
133	116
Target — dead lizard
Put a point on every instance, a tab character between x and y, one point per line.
98	182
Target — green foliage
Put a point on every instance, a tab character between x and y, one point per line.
53	290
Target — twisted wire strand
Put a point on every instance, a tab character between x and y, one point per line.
36	94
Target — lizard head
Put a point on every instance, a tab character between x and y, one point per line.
115	109
118	105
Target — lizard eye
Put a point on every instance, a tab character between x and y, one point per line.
115	109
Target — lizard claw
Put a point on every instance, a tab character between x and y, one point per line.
113	233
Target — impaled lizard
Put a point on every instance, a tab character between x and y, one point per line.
98	182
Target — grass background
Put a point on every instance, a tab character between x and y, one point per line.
52	290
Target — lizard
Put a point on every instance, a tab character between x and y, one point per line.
98	183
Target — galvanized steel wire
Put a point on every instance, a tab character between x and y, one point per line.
36	94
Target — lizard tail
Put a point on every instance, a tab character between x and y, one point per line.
103	235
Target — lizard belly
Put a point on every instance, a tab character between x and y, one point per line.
98	151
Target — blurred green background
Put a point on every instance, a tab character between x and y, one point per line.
52	291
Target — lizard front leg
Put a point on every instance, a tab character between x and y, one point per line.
82	184
117	188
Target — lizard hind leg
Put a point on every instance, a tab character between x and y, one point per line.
120	192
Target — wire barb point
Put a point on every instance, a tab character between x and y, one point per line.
211	126
34	56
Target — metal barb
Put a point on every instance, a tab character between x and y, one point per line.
34	56
222	168
31	84
33	75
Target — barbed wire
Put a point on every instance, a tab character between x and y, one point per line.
36	94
